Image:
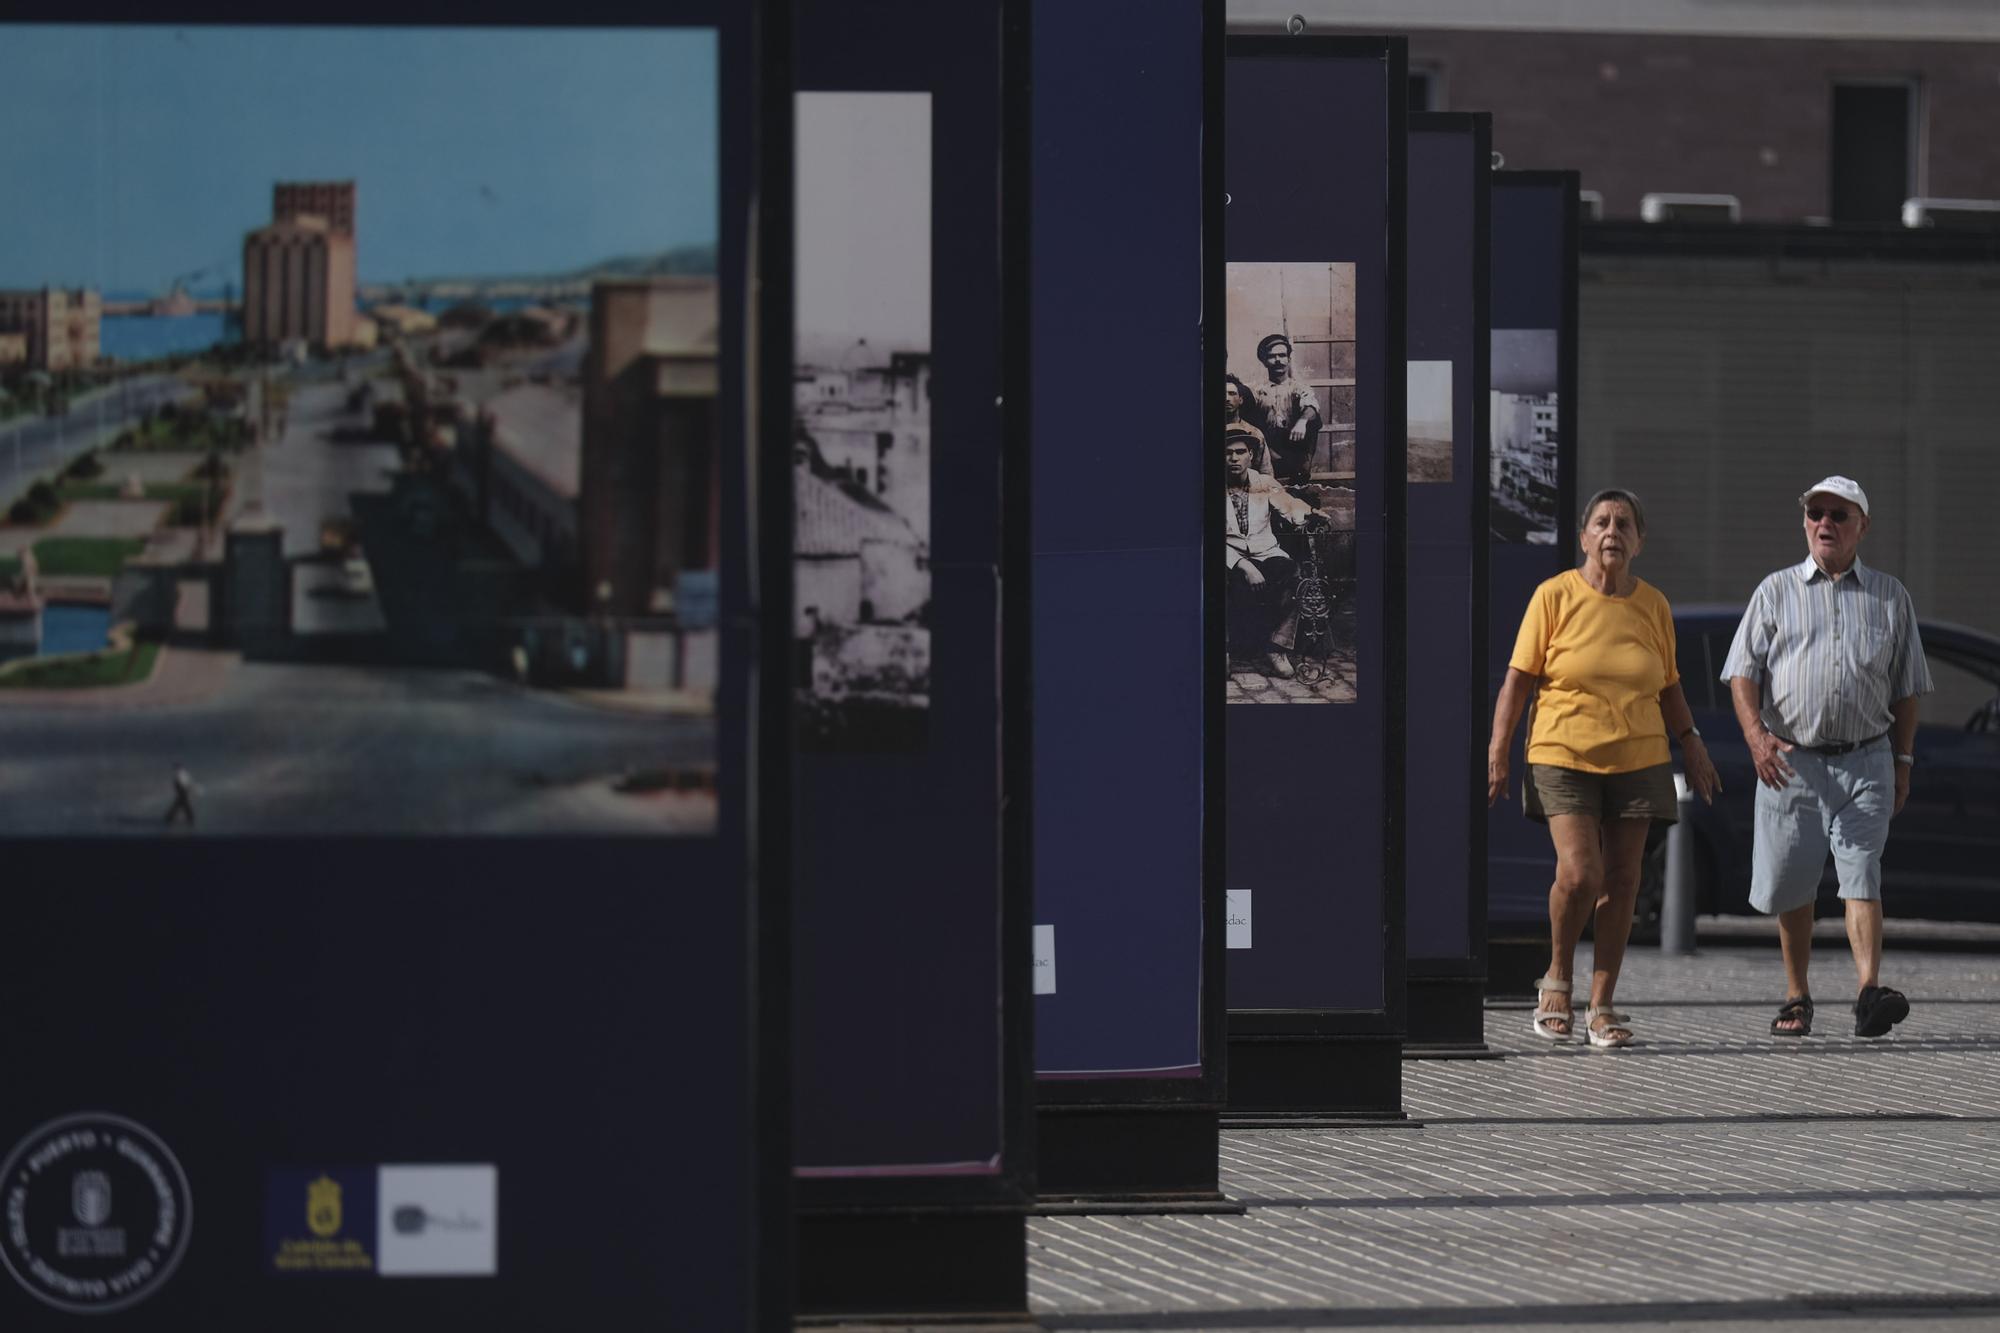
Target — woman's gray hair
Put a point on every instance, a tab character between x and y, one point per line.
1613	493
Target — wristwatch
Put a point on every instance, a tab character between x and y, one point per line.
1691	731
1909	759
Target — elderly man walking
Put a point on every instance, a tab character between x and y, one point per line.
1825	672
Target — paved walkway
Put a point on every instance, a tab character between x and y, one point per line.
1714	1176
181	677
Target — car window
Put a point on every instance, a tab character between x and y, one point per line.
1691	654
1964	686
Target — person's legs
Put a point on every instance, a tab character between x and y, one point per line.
1858	831
1788	855
1864	937
1624	849
1276	632
1579	880
1795	940
1247	612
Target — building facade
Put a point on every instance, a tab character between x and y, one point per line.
1802	111
332	201
1720	388
298	283
299	271
58	329
517	466
650	494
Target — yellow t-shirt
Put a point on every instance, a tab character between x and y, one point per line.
1603	661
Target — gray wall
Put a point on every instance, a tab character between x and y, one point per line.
1718	390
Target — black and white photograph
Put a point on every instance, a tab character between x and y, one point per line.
1288	453
861	456
1524	436
1429	435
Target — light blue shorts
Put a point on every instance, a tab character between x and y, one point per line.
1838	803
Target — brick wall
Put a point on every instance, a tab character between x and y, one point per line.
1727	115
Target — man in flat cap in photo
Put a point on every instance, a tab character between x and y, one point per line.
1286	411
1262	622
1825	672
1235	396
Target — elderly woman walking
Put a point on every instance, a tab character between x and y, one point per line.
1596	653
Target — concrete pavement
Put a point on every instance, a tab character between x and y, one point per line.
1714	1176
280	748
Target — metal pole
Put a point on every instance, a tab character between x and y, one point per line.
1678	895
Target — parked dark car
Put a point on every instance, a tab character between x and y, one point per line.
1943	859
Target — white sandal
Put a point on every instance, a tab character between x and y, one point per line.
1542	1019
1614	1022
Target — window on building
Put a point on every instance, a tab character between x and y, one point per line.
1873	159
1426	90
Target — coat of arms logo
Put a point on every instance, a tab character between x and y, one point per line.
90	1198
323	1206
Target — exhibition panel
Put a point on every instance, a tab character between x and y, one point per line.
1447	464
1314	548
378	807
914	1065
1128	410
1532	508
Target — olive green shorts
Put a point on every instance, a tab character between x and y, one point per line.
1646	793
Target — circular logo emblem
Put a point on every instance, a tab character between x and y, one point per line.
94	1213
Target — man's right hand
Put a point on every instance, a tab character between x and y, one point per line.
1767	752
1251	574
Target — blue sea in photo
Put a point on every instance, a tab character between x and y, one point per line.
148	337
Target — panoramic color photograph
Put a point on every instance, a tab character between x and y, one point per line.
358	470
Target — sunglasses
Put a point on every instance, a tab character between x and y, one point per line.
1837	515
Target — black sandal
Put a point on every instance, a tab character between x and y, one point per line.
1800	1011
1878	1010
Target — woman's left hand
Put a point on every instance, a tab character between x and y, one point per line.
1701	773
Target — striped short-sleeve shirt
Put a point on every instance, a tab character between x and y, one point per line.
1831	653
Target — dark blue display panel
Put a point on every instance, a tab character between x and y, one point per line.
911	967
381	1057
1447	471
1313	159
1532	533
1119	647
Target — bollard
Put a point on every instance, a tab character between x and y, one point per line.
1677	896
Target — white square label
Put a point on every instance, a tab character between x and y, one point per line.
1045	960
1237	913
438	1221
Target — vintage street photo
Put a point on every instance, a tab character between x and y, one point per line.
1289	458
1524	436
358	456
1429	436
862	454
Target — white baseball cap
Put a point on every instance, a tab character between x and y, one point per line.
1844	487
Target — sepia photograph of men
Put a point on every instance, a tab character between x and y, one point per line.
862	450
1524	436
359	466
1288	455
